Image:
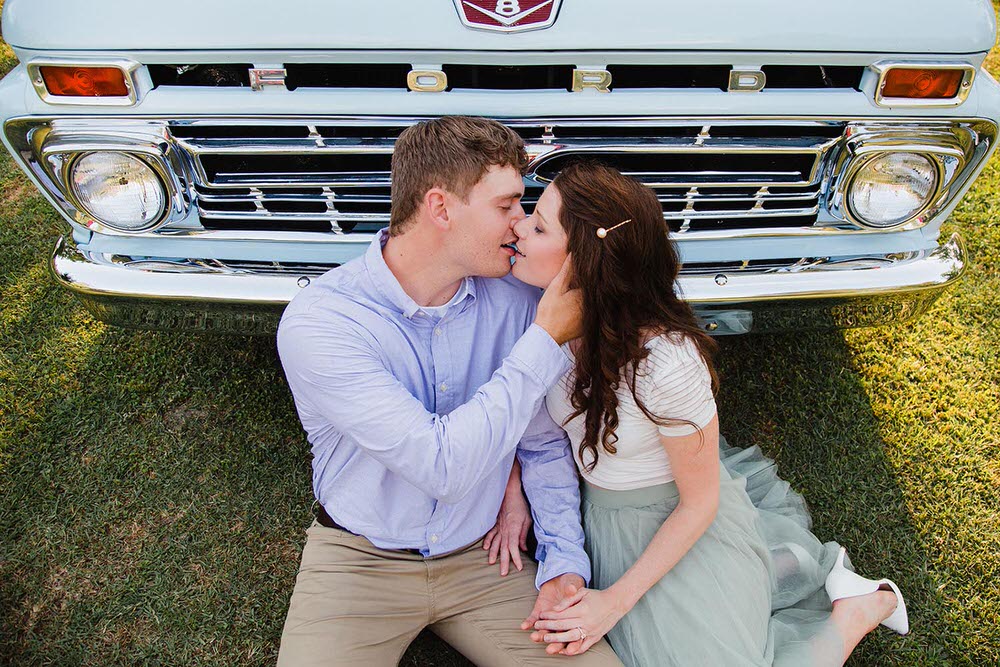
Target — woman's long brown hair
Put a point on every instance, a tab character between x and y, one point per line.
627	283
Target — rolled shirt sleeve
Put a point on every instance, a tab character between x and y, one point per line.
549	477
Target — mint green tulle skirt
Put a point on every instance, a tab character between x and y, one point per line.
750	590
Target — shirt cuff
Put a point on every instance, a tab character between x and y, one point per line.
556	564
539	352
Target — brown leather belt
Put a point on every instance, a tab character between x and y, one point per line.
327	521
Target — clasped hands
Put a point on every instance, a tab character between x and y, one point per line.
571	618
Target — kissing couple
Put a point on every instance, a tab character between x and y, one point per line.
434	377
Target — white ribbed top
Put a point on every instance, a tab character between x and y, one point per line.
672	382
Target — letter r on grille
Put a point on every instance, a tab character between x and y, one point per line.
598	79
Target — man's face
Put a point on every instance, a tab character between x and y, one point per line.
482	227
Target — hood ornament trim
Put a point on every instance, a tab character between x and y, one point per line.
507	16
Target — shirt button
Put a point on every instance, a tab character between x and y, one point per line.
434	539
437	331
444	387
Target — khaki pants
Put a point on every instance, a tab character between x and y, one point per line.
356	604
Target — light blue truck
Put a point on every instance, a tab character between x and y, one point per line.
211	158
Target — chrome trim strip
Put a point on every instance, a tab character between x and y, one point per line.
286	146
296	216
752	213
883	67
129	69
283	146
278	236
279	196
374	179
112	285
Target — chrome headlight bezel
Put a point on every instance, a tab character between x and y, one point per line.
937	164
954	149
74	192
58	150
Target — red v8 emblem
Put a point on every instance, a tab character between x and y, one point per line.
508	15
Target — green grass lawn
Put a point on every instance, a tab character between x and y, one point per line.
155	487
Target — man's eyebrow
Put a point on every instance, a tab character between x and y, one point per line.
512	195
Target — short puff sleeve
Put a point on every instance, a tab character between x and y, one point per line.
673	382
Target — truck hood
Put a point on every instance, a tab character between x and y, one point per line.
865	26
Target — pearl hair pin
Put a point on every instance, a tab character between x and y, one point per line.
602	232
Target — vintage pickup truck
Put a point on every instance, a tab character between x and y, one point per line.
211	158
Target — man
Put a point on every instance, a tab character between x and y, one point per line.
416	372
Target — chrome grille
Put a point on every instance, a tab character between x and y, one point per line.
327	177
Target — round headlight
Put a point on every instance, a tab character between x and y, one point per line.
891	188
118	189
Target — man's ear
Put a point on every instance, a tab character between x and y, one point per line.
436	204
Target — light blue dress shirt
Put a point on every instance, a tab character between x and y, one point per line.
414	419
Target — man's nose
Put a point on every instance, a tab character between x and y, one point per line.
517	224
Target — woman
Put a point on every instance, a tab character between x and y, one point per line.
701	555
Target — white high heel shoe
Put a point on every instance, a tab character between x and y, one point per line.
842	583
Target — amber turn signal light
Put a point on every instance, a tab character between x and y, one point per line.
939	84
84	81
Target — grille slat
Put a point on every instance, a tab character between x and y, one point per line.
276	268
345	179
335	178
296	217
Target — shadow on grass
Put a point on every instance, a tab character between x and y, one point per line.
798	398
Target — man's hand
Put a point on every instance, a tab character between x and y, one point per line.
560	312
580	622
550	596
509	537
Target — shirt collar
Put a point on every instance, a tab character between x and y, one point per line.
389	286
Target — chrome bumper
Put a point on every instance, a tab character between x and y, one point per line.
823	293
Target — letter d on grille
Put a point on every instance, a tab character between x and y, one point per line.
746	81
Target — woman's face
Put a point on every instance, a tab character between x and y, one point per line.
541	242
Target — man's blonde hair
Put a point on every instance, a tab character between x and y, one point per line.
453	153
